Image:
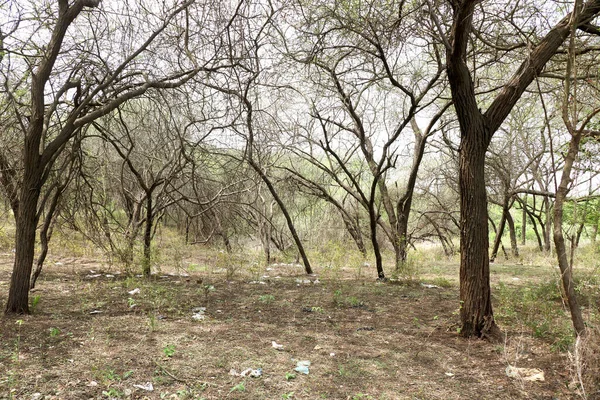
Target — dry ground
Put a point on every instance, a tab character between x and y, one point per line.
364	339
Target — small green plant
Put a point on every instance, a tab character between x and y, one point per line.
169	350
266	298
34	302
354	302
240	387
289	395
54	332
289	376
112	393
131	302
316	309
360	396
337	297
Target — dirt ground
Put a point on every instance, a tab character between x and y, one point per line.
90	338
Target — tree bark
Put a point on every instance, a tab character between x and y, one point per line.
26	221
477	130
524	223
512	233
147	264
559	240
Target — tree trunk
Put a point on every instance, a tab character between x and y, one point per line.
26	221
512	233
147	264
594	233
547	225
559	240
524	222
354	231
499	232
286	214
476	312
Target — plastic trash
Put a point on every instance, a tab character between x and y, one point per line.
527	374
198	313
276	346
302	367
252	373
146	386
430	286
95	312
134	291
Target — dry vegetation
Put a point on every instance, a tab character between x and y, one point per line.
89	338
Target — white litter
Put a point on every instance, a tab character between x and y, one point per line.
146	386
276	346
527	374
134	291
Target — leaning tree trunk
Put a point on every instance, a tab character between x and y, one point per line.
499	233
524	223
476	304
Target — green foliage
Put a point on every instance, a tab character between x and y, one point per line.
539	308
266	298
169	350
34	302
54	332
289	376
240	387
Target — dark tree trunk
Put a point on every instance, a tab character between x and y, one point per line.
476	305
285	213
26	221
547	227
45	235
524	222
499	233
147	264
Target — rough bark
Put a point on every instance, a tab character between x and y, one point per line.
477	130
559	240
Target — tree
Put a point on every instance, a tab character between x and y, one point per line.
54	94
477	129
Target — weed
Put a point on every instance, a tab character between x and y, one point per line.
289	376
169	350
112	393
54	332
266	298
240	387
34	302
289	395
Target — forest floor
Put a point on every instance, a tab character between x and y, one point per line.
94	335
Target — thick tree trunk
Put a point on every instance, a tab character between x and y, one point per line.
26	221
476	312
